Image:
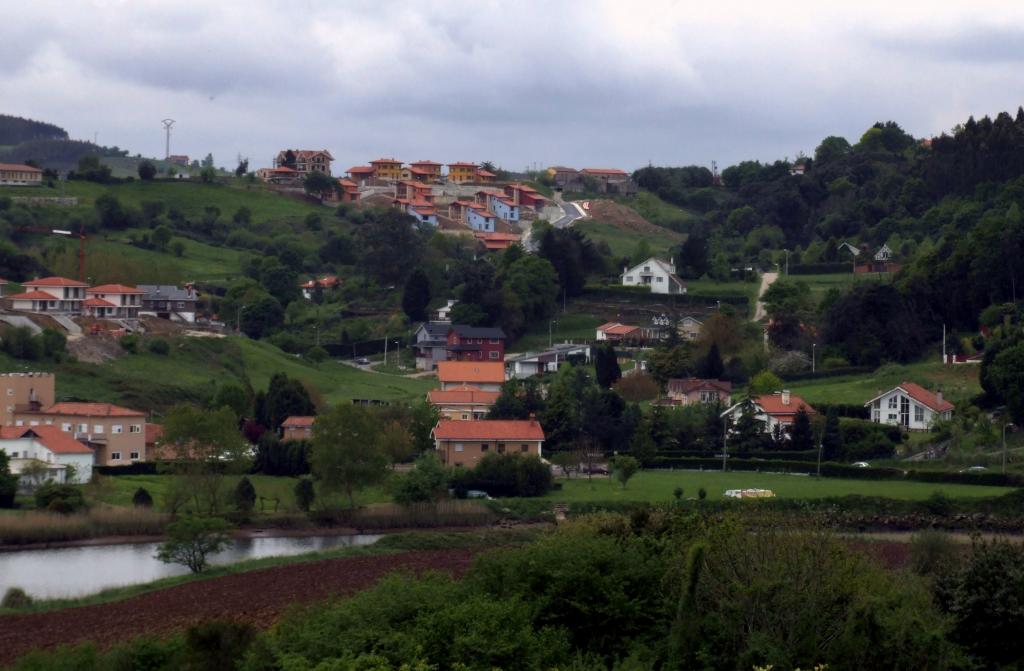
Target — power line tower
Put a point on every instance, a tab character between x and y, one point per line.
167	128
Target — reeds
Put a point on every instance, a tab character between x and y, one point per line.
456	513
21	528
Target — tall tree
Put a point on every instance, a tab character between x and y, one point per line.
712	366
832	437
347	454
606	365
207	447
320	184
416	296
801	434
285	397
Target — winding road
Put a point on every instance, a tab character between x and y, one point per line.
766	281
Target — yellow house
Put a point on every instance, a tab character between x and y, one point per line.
387	168
460	173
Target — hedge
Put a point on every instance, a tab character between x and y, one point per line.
851	410
833	268
639	295
777	455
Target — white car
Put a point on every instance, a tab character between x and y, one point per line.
861	464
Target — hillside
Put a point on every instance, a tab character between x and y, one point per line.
623	229
15	130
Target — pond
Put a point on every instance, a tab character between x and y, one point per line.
78	571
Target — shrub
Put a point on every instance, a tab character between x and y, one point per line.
142	498
159	346
218	644
59	498
932	552
425	483
192	539
245	496
702	493
506	475
304	494
15	597
129	343
636	388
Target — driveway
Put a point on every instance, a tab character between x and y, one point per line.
766	281
571	211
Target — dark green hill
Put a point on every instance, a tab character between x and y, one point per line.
15	130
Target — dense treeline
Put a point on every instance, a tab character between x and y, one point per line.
57	154
14	130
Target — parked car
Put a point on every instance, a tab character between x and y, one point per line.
477	494
363	361
861	464
974	469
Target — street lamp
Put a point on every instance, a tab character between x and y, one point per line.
814	346
551	323
1008	424
725	440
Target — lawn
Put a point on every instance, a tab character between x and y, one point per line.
623	242
958	383
820	284
657	211
573	326
118	491
658	485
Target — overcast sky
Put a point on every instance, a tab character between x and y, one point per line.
581	83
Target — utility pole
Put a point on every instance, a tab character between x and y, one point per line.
725	441
385	349
821	447
1007	424
167	129
814	347
787	262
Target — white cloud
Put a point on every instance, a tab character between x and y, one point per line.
574	82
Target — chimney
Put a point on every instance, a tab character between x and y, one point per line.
938	396
533	418
785	397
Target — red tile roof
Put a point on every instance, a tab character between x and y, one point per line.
471	371
465	394
773	405
687	385
19	167
33	296
614	328
91	410
348	183
98	303
484	173
361	168
925	397
426	163
386	161
489	429
54	282
51	437
483	235
420	171
461	164
114	289
603	171
298	421
154	432
284	169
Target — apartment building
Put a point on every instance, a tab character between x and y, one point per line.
16	174
387	168
464	444
113	301
23	391
116	435
461	172
51	294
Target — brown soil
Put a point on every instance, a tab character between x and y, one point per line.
610	212
94	348
259	597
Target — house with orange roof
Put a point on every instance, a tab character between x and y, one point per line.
526	196
422	210
42	453
361	174
496	242
484	375
116	435
464	444
387	168
429	170
771	410
500	204
50	294
415	191
614	331
462	172
348	192
462	403
607	180
304	161
282	175
25	391
485	176
910	406
324	283
113	301
297	427
18	174
480	218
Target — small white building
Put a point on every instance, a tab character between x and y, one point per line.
51	294
660	276
444	314
521	366
42	453
771	410
911	406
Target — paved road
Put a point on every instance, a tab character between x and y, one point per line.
572	213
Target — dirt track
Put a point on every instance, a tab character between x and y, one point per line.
259	597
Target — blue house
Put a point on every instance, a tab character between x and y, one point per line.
480	218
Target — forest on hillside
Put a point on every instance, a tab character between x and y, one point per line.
14	130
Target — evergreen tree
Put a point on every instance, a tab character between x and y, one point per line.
832	438
142	498
712	367
416	296
606	365
801	435
245	496
304	494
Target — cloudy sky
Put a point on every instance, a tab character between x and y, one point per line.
616	83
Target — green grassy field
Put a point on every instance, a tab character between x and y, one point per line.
658	486
118	491
569	326
623	241
196	366
657	211
958	383
820	284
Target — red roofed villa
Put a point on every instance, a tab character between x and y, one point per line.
464	402
616	331
51	294
113	301
463	444
778	409
297	427
17	174
55	451
911	406
116	435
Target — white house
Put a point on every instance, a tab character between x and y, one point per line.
51	294
771	410
113	300
659	275
526	365
444	314
41	453
909	405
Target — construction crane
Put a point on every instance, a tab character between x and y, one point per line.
68	234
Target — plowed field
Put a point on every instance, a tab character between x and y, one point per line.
259	597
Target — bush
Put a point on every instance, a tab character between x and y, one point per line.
15	597
59	498
245	496
192	539
159	346
505	475
217	645
142	498
304	494
129	343
426	482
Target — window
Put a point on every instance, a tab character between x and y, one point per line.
892	416
117	428
501	448
524	448
135	428
484	447
10	392
65	427
134	456
97	428
918	414
893	402
659	279
459	447
465	416
629	278
83	428
115	456
33	423
492	355
708	397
